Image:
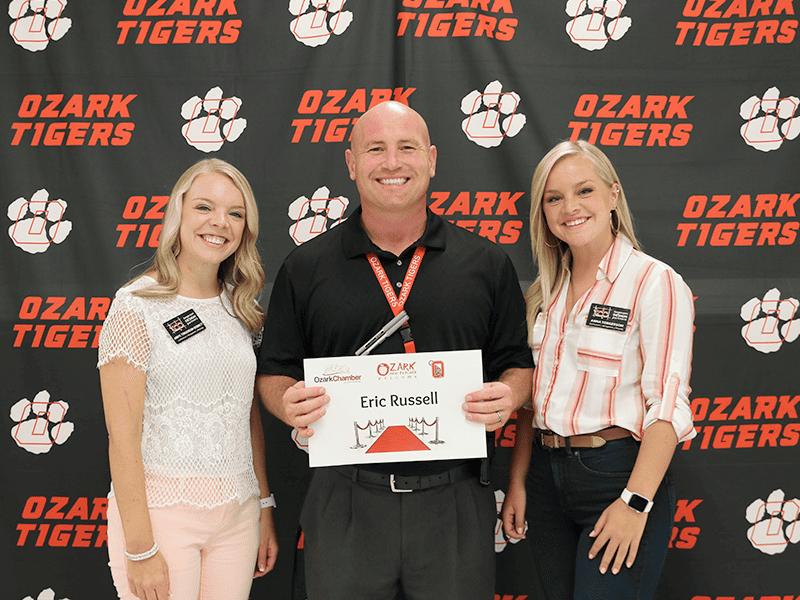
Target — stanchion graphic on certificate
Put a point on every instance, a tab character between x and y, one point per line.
396	408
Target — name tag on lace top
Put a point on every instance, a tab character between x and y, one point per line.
184	326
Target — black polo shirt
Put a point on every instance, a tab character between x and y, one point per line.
326	301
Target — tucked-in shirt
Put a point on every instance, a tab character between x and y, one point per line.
593	373
326	301
196	441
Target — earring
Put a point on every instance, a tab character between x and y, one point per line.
558	243
614	226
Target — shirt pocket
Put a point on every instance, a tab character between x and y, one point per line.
600	351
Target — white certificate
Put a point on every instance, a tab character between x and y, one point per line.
396	408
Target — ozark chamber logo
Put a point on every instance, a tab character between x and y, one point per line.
337	373
315	215
769	120
212	120
37	22
492	115
38	222
317	20
771	321
595	22
775	523
40	423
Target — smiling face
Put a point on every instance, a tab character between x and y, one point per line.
391	158
212	221
577	205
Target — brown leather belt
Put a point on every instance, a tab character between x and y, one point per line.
591	440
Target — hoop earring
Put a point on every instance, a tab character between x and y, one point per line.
614	226
558	243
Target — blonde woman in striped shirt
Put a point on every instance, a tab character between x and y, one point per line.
611	333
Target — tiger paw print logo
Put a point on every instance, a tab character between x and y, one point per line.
212	120
300	442
318	20
315	215
38	222
595	22
46	594
40	423
770	322
770	120
492	115
775	523
37	22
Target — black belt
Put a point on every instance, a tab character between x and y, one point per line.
407	483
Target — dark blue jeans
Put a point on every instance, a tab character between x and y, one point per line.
567	492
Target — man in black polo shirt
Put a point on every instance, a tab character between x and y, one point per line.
365	538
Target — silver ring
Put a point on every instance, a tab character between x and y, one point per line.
499	417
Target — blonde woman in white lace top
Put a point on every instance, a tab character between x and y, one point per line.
190	511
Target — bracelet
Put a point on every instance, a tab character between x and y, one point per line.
143	555
268	502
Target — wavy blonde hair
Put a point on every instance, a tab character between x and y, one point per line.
240	273
551	254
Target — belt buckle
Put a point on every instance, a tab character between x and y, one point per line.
394	489
542	435
553	435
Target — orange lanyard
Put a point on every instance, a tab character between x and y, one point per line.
396	303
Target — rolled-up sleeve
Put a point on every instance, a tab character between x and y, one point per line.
666	329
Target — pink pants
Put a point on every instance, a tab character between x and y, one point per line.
211	553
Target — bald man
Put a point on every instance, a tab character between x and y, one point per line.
424	528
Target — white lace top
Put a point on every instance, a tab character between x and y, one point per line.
196	443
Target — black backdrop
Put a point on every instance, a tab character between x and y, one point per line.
104	104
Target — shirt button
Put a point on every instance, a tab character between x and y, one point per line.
399	284
399	263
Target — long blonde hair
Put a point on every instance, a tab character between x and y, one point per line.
241	272
552	255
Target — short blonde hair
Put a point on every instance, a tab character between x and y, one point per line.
241	272
551	254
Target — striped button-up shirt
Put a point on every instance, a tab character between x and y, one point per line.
622	356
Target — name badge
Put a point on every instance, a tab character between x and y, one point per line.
608	317
184	326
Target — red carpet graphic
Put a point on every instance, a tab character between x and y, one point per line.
397	438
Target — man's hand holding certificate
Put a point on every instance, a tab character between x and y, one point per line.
396	408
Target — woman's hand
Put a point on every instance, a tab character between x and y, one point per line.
149	578
267	545
620	530
513	512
